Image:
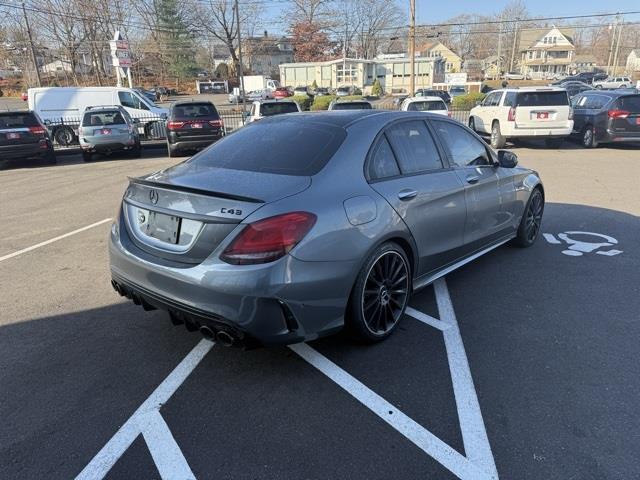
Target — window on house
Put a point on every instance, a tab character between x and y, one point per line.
346	74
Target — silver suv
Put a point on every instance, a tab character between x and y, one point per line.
106	130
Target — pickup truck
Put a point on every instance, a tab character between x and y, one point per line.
613	82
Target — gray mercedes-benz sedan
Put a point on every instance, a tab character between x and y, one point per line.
294	227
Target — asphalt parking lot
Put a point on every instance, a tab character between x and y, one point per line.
521	365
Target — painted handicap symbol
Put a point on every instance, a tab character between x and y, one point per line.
578	247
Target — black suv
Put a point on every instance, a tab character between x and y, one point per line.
22	136
603	116
192	126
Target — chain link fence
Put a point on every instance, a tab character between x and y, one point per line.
460	115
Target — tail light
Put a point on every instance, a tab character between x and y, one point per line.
174	125
512	114
216	123
37	130
268	239
449	114
570	113
618	113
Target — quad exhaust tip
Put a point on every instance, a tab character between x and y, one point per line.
222	337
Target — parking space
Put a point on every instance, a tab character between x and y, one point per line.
523	364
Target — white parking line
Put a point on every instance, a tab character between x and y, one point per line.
147	421
47	242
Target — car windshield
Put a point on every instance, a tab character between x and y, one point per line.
269	109
542	99
17	120
285	146
352	106
426	106
194	110
457	90
102	118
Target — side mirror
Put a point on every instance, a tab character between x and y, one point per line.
507	159
478	103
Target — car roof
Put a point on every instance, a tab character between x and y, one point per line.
610	93
102	108
274	100
427	98
530	89
182	103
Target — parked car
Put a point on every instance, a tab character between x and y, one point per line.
257	95
24	97
397	100
425	104
281	92
350	105
295	226
457	90
304	91
269	108
513	76
521	113
54	105
321	92
589	77
24	136
148	94
613	82
607	116
106	130
575	88
443	94
346	91
192	125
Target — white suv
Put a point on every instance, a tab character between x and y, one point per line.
268	108
535	112
425	104
614	82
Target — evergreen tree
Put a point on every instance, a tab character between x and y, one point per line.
175	39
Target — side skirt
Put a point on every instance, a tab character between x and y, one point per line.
429	278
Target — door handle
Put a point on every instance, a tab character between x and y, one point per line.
407	194
472	179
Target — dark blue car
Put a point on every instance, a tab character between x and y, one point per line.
606	116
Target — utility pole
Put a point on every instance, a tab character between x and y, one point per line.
31	47
412	47
613	39
615	57
240	69
344	44
513	47
499	48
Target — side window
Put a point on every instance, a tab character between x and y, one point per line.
127	100
465	149
382	163
487	101
495	101
510	100
414	147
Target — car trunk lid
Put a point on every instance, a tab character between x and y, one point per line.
624	115
183	214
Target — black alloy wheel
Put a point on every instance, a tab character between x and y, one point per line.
384	297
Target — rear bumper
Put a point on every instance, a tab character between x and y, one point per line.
113	145
192	143
14	152
515	132
286	301
619	137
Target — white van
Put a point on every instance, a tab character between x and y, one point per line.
63	106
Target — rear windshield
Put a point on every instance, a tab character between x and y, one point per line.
194	110
542	99
17	120
426	106
630	103
268	109
285	146
352	106
103	118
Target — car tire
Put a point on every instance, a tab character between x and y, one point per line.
531	222
137	151
588	138
497	140
64	136
87	156
172	152
50	157
553	142
380	295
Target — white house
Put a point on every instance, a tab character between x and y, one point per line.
63	66
633	62
545	51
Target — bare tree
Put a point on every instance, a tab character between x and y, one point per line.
370	20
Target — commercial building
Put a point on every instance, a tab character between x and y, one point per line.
392	73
